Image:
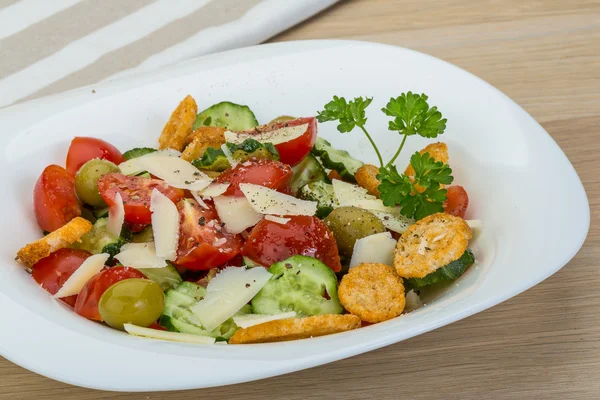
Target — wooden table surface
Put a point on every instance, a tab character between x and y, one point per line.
543	344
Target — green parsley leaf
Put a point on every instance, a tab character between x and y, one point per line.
413	116
420	196
349	114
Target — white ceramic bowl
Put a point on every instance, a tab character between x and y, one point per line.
534	209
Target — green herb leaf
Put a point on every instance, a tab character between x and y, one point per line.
349	114
418	196
414	116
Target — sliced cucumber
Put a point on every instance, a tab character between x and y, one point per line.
167	277
137	152
228	115
339	160
99	240
301	284
322	193
447	273
309	170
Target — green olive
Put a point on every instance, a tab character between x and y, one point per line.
132	301
282	118
86	180
348	224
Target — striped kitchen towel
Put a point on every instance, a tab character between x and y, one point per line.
49	46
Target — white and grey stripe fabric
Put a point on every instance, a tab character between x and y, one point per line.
49	46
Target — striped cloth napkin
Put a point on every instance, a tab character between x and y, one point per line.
49	46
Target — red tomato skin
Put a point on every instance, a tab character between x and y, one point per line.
135	192
457	201
271	242
83	149
269	173
196	249
87	300
54	200
52	272
294	151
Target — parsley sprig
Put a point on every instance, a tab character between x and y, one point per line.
419	195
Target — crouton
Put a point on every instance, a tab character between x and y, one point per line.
179	126
366	176
201	139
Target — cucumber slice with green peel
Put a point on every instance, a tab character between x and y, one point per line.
99	240
447	273
138	152
338	160
167	277
301	284
307	171
228	115
323	194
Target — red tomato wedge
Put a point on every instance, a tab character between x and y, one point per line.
135	192
457	201
203	242
87	300
270	242
83	149
54	200
293	151
272	174
52	272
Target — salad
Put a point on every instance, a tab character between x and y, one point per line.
234	232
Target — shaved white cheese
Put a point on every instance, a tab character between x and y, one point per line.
140	255
395	222
227	293
236	213
175	171
269	201
248	320
279	220
133	167
350	195
228	155
165	225
197	197
165	335
413	302
214	190
474	223
378	248
116	216
277	136
90	267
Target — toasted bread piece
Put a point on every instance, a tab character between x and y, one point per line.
179	126
438	151
373	292
366	176
60	238
296	328
431	243
201	139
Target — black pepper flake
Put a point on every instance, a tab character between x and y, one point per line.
247	285
427	248
202	221
298	273
188	182
288	265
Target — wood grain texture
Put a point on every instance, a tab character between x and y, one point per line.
543	344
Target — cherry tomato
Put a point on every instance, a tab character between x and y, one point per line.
272	174
135	192
83	149
87	300
52	272
270	242
457	201
293	151
54	199
203	242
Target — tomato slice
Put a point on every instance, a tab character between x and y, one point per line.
135	192
52	272
54	200
203	242
293	151
87	300
83	149
272	174
270	242
457	201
